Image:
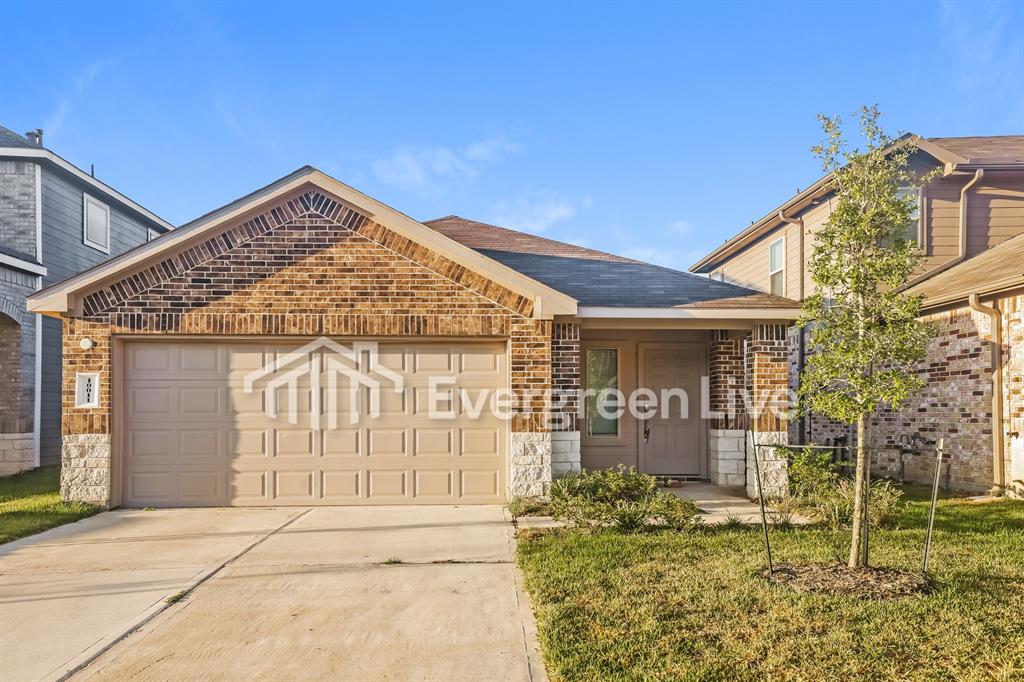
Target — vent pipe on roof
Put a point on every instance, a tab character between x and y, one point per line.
35	137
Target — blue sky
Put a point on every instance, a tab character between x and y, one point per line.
655	131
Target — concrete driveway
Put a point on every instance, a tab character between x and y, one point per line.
367	593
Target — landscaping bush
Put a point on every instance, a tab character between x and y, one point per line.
621	499
834	504
810	472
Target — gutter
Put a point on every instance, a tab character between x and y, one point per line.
962	238
996	346
801	353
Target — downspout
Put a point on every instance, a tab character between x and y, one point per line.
996	345
961	254
801	353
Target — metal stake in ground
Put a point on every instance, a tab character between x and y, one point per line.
935	499
760	498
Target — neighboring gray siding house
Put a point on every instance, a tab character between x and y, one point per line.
55	221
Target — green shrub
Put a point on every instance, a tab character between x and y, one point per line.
810	471
621	499
834	505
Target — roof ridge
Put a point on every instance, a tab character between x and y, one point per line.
533	236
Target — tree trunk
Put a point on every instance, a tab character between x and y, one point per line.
860	480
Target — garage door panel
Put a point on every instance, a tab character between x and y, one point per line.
293	487
195	436
294	443
341	443
387	485
433	441
248	487
341	487
477	441
388	442
479	484
432	483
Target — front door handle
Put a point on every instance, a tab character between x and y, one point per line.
647	423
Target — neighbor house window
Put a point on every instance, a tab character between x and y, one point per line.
777	266
151	234
96	227
912	232
601	396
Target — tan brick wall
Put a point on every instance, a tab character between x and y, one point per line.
726	378
310	266
956	403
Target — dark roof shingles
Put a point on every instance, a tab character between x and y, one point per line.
9	138
595	278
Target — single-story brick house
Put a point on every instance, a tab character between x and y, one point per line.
161	343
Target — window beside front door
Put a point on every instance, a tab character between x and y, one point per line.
602	375
777	266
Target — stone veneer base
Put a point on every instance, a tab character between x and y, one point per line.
85	468
565	453
774	476
727	465
530	464
17	452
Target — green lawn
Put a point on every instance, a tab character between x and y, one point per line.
692	607
30	503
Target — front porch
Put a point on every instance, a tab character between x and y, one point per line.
685	398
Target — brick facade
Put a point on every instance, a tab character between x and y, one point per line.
565	376
956	403
18	206
18	368
727	381
311	266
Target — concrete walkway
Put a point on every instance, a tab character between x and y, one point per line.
328	593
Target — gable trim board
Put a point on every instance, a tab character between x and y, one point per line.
65	296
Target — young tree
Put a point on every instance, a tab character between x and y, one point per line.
865	333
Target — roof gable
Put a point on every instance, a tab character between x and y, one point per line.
152	259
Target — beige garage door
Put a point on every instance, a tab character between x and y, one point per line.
208	424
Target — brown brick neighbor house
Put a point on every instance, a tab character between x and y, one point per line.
970	229
179	389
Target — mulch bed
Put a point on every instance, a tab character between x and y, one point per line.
838	579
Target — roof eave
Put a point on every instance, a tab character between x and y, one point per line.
706	312
78	173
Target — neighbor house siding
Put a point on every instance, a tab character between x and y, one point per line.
750	267
65	254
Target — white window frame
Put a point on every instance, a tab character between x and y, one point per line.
782	265
918	231
86	200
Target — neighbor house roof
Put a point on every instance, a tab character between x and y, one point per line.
598	279
1000	268
17	146
955	153
9	138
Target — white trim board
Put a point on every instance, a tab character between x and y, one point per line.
23	265
690	313
26	153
